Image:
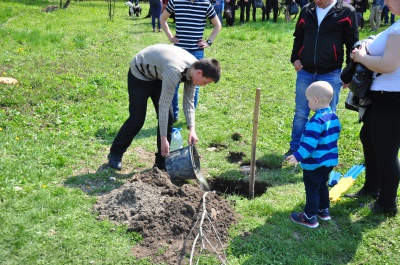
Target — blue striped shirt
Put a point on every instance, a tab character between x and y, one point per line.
319	142
190	21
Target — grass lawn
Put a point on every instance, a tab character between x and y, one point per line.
57	124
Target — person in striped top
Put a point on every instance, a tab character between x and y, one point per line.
317	154
190	21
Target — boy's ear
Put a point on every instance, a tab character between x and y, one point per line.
315	100
199	72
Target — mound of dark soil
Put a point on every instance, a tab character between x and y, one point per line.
168	217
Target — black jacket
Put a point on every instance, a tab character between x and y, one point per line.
320	49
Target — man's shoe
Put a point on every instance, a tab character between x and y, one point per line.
324	214
114	161
376	207
288	153
159	166
362	194
303	219
159	162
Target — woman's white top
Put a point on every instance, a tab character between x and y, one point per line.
386	81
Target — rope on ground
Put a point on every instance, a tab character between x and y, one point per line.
204	238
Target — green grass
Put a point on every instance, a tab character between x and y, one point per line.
58	123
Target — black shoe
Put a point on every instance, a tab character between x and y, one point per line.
159	162
114	161
376	207
288	153
159	166
362	194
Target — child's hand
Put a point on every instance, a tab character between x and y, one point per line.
292	160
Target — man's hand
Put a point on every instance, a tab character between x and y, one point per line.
164	146
297	65
192	139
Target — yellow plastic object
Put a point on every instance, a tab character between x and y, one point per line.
343	185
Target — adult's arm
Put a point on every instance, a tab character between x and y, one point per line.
217	28
298	34
164	25
171	79
387	63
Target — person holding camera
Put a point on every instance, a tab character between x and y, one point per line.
380	132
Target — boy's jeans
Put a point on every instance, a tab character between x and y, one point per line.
199	54
302	111
317	193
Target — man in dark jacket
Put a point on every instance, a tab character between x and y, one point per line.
323	28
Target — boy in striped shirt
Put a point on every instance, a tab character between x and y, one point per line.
318	154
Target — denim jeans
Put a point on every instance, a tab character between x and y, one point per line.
199	54
302	111
317	193
385	15
155	10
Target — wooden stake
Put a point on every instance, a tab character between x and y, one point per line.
254	143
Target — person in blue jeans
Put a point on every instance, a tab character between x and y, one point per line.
218	7
319	50
155	9
190	21
385	16
318	154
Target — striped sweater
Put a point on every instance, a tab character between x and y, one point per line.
190	21
319	142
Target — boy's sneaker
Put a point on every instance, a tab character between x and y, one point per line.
324	214
303	219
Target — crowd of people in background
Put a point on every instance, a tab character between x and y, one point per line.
379	12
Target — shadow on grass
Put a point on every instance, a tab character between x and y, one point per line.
281	241
103	181
107	135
